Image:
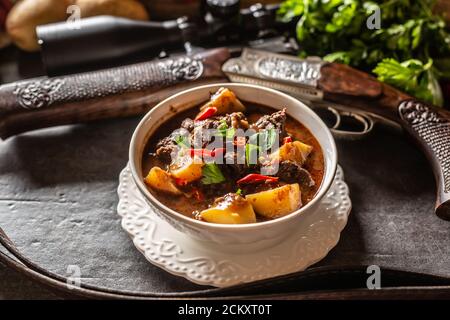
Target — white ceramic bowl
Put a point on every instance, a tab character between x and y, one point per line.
268	231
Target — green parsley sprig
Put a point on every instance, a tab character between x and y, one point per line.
212	174
406	51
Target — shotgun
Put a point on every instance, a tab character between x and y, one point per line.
134	89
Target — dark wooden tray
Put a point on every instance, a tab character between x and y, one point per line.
58	205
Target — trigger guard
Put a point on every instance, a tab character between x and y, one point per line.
363	118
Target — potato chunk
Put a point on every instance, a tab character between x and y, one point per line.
160	180
225	101
295	151
230	209
305	149
276	202
187	169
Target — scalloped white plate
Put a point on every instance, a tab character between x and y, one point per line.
221	266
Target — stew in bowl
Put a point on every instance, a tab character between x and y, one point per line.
230	161
238	218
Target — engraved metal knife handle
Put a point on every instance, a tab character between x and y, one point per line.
116	92
430	127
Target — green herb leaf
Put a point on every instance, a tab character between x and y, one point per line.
222	127
239	192
412	76
224	131
264	139
182	141
267	138
289	10
212	174
230	133
251	153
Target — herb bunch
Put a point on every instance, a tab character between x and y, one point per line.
409	51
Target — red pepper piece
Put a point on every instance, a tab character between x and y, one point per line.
207	113
287	139
205	152
181	182
217	151
198	152
255	177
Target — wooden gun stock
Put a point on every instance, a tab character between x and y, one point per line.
429	126
111	93
133	90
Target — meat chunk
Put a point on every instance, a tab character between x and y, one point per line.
234	168
236	120
203	132
188	124
232	120
292	172
165	148
276	120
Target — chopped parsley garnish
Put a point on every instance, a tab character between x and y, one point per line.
251	153
267	138
212	174
264	139
182	141
224	131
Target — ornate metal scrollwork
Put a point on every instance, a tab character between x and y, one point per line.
297	71
44	92
293	75
415	112
433	129
184	68
37	94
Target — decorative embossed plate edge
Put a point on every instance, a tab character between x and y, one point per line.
182	256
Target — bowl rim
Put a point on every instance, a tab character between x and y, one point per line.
324	187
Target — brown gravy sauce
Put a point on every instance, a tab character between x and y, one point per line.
186	206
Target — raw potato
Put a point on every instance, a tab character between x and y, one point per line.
295	151
230	213
276	202
26	15
131	9
225	101
189	169
160	180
